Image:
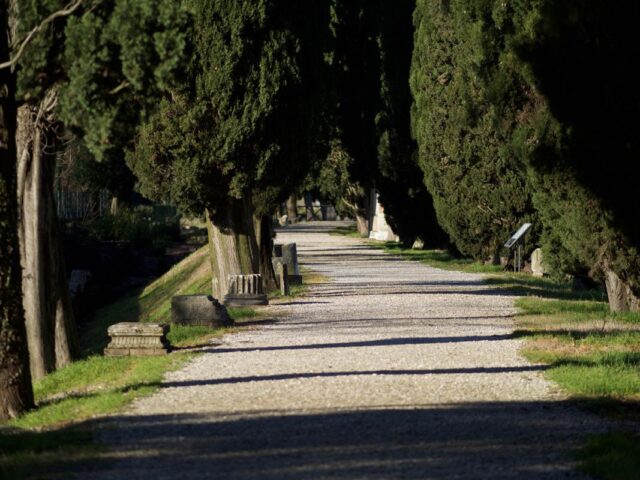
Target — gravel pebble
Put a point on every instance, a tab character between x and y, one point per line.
392	369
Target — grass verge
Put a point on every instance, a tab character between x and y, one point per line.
45	441
594	355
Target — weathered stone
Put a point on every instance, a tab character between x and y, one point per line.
283	279
133	338
201	310
290	259
245	290
537	265
380	229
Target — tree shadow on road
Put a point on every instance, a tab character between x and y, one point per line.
508	440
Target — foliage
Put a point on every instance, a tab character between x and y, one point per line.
468	101
580	140
136	226
408	206
236	130
119	58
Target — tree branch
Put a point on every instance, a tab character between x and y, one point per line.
66	11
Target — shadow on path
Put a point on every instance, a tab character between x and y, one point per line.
297	376
508	440
387	342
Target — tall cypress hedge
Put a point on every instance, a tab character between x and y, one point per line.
465	111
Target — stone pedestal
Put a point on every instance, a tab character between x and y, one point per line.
537	265
201	310
283	279
133	338
245	290
290	259
380	229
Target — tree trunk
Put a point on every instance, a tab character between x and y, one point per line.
362	224
308	207
15	379
51	331
292	208
621	297
358	202
264	239
232	244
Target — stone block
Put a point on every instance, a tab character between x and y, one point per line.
133	338
283	279
243	290
290	259
200	310
537	265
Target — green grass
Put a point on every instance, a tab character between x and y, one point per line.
97	385
347	231
437	258
94	386
612	456
46	454
594	355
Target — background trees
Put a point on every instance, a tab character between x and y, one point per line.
407	203
526	109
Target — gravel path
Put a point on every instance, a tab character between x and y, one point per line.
392	369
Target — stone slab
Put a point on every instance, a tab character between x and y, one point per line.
199	310
231	300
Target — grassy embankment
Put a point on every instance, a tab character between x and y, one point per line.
592	353
58	432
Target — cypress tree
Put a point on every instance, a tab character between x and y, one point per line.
355	64
15	379
50	324
229	142
463	118
581	140
407	204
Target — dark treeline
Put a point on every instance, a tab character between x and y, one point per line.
468	117
525	111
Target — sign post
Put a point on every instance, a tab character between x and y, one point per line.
515	243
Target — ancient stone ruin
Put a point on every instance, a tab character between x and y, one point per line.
133	338
287	254
245	290
199	310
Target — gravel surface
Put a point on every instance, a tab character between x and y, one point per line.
391	369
